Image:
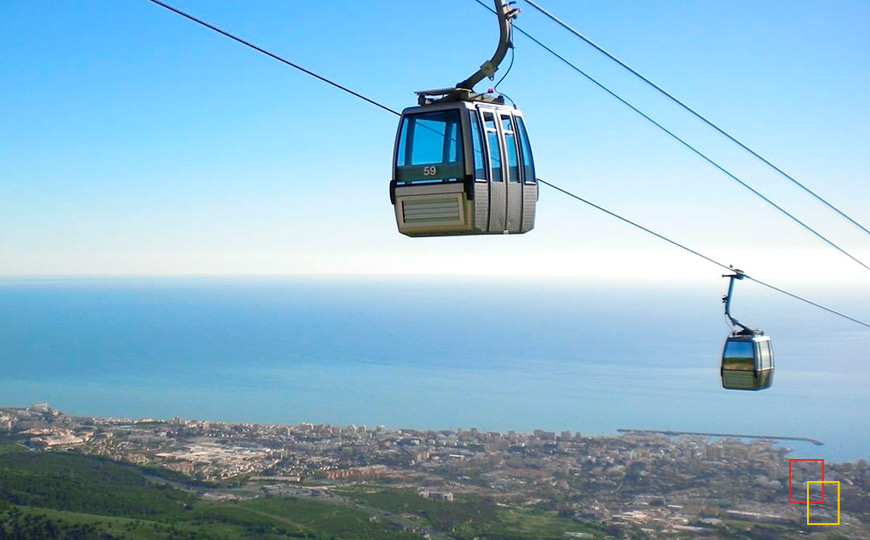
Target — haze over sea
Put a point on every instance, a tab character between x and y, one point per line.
433	353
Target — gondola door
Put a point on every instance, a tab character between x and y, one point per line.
497	190
513	183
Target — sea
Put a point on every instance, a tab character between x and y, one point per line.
433	353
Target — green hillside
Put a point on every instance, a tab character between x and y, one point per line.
69	496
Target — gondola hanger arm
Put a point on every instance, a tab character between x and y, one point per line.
738	274
506	14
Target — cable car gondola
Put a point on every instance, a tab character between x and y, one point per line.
462	161
747	359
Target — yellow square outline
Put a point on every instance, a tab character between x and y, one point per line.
823	487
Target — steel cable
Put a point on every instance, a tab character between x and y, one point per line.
683	142
557	188
695	113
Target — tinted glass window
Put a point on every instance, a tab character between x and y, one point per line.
739	355
506	123
526	148
764	355
477	147
493	146
768	346
510	145
430	138
451	145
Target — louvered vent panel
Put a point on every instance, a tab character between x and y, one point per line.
431	210
739	379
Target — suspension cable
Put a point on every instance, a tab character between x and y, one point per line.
694	150
695	113
271	55
557	188
698	254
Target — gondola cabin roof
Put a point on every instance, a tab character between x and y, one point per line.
453	95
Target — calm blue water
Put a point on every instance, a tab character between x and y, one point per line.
432	353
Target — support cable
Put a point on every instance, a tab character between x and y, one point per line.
557	188
275	56
695	113
683	142
701	255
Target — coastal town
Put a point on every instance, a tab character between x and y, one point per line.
648	483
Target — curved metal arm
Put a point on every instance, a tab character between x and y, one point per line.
506	13
738	274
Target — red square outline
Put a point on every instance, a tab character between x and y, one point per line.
789	482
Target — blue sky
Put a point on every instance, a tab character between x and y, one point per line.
136	142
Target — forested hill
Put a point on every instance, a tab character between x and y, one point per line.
77	483
70	496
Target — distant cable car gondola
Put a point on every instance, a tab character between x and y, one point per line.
462	162
747	359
